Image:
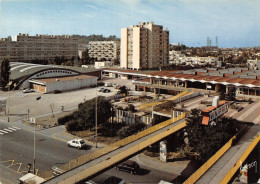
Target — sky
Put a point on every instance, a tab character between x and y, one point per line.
236	23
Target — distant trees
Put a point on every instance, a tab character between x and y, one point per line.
5	72
86	39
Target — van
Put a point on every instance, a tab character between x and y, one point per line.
108	84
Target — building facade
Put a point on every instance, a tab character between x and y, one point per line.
23	47
144	46
104	50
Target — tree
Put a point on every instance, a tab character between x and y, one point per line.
5	72
206	140
85	116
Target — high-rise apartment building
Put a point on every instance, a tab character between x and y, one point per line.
144	46
23	47
104	50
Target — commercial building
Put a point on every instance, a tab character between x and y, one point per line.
47	85
23	47
104	50
208	80
144	46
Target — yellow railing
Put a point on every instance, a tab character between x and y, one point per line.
93	155
234	169
147	105
179	95
195	176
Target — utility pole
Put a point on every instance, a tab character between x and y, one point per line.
96	120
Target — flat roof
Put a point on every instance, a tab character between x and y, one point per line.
67	78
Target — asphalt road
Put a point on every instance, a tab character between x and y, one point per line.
17	150
146	175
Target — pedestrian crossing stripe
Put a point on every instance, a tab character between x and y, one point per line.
9	130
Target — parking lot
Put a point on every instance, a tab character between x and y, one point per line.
22	103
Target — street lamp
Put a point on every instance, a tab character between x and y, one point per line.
37	98
96	120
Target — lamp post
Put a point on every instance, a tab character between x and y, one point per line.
96	120
34	136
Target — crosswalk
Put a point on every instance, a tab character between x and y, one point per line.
9	130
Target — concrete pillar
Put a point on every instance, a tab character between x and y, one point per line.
186	84
160	82
154	90
151	80
144	89
217	89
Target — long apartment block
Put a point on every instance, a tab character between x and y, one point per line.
104	50
144	46
23	47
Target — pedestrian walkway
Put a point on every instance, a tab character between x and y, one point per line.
175	167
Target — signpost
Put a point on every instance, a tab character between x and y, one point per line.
163	151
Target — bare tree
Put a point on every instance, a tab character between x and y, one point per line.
52	108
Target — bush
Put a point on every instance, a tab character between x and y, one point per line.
65	119
130	129
72	125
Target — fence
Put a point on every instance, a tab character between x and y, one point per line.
94	155
195	176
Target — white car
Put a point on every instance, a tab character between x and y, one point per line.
27	90
77	143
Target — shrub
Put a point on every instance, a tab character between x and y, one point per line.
130	129
72	125
65	119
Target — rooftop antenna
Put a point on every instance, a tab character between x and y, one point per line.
207	41
216	41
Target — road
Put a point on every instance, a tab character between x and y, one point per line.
17	150
146	175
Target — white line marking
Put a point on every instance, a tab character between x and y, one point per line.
16	127
8	130
4	131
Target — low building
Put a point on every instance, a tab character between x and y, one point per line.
48	85
103	64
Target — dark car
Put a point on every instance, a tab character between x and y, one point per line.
129	166
106	91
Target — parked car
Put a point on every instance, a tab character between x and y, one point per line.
129	166
27	90
77	143
106	91
100	89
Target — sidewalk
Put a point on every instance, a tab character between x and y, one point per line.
175	167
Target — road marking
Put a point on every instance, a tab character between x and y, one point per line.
1	133
12	129
16	127
20	165
4	132
8	130
59	138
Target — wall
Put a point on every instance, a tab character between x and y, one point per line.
123	48
69	85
